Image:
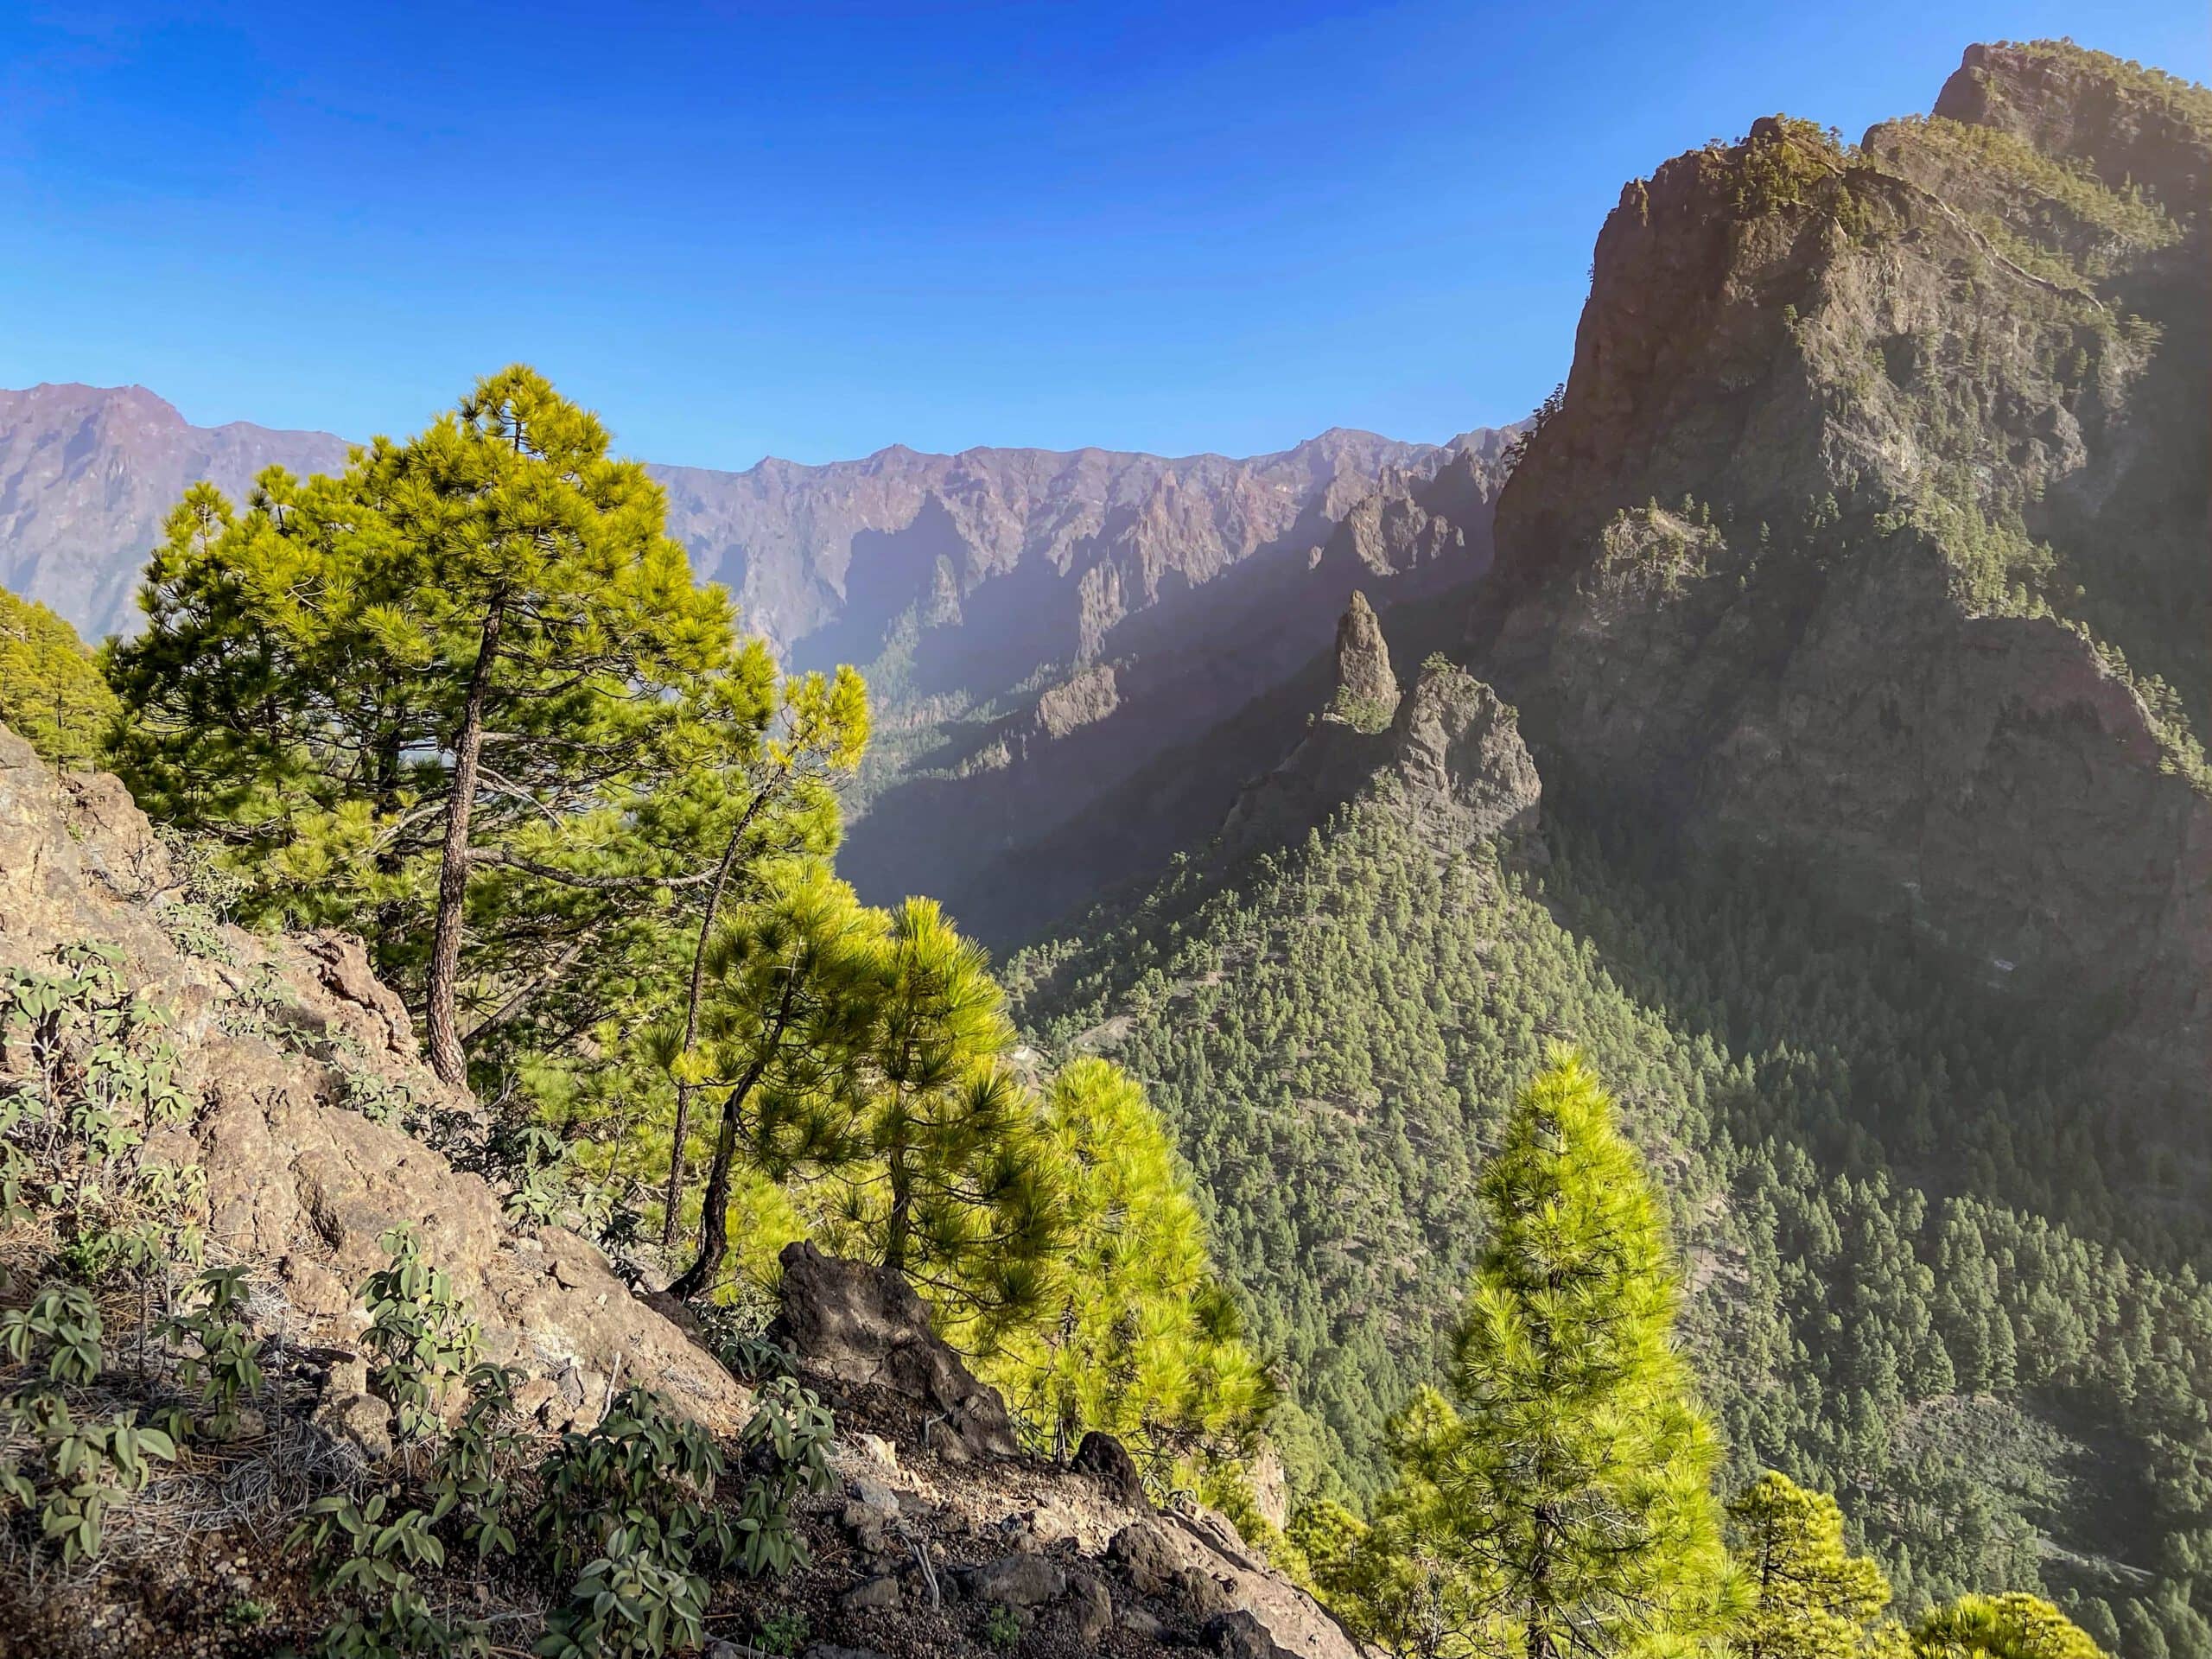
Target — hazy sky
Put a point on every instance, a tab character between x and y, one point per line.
815	229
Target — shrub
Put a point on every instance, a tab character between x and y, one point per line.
419	1336
87	1466
643	1470
222	1365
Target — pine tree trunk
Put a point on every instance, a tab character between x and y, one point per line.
674	1198
902	1206
714	1211
447	1057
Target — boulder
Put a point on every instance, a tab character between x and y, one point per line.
1237	1635
1018	1581
866	1326
1107	1461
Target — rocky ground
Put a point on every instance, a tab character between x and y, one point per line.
939	1536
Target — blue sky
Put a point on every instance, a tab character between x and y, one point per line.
814	229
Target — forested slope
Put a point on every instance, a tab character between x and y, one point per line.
1866	1167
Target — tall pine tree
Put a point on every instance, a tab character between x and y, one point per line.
1137	1337
436	698
1570	1495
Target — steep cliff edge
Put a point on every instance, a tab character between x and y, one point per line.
1871	528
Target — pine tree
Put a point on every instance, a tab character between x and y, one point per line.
781	802
1571	1495
2001	1627
1137	1337
861	1061
51	692
1809	1598
438	698
792	992
960	1190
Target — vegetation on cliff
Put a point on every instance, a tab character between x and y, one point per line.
52	692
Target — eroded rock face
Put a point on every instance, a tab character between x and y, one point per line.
300	1188
1078	1550
866	1327
2127	135
1364	676
1459	757
1452	756
1719	585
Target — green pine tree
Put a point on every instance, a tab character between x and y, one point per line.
448	698
1137	1337
961	1189
51	692
1570	1496
792	994
784	801
1809	1597
2015	1626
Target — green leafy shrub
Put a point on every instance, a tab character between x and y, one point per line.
85	1076
221	1364
754	1358
468	1476
631	1602
87	1465
420	1338
371	1553
634	1500
786	1452
1001	1625
642	1470
60	1329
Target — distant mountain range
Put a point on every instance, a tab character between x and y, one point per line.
87	473
824	560
1001	601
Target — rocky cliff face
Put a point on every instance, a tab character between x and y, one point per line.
1049	552
87	473
1867	530
279	1043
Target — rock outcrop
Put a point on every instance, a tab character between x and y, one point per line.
1459	759
1449	752
2129	131
1860	486
1077	1556
1364	676
274	1037
866	1327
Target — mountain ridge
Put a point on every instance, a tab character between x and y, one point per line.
90	588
